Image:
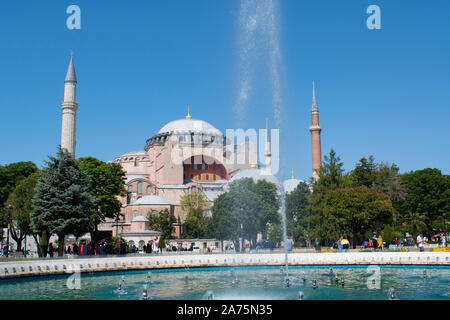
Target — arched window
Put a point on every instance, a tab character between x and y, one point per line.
149	189
130	188
207	177
139	187
135	213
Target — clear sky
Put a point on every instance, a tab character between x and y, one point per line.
140	63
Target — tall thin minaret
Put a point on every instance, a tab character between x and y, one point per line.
268	153
69	109
315	130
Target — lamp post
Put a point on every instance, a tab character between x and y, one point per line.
445	230
9	208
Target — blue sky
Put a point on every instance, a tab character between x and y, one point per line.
139	63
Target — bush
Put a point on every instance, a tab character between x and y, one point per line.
112	245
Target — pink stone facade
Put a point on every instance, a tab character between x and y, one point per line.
184	155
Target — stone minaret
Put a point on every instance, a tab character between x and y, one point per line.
69	110
268	153
315	136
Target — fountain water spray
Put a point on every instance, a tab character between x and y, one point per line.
209	295
149	277
391	294
258	34
145	292
300	295
121	286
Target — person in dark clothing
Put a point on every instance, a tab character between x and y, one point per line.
149	248
374	242
85	249
50	249
121	247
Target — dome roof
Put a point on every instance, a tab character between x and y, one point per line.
150	200
140	219
183	126
255	174
290	185
136	153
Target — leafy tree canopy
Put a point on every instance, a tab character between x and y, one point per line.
62	203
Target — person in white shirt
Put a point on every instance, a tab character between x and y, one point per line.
420	242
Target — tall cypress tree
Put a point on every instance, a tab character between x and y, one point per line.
62	203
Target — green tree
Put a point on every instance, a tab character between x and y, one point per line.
11	175
21	201
270	201
195	204
297	214
428	195
162	221
62	203
331	177
225	220
106	183
245	210
354	211
416	223
364	173
275	235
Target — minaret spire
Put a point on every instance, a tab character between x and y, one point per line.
315	108
69	108
315	130
292	177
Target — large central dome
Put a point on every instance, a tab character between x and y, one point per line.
183	126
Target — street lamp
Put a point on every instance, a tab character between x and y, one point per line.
445	230
9	208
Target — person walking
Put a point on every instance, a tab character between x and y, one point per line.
420	242
339	244
380	243
50	249
149	247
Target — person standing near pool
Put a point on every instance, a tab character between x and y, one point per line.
288	245
380	243
420	242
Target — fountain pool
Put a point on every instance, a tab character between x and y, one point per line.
241	283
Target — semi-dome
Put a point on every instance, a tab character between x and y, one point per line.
136	153
256	175
140	219
290	185
150	200
183	126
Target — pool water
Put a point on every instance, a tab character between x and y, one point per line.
360	283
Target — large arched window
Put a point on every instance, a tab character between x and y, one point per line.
130	188
139	187
149	189
135	213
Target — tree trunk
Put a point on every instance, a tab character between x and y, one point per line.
94	234
17	238
61	237
39	251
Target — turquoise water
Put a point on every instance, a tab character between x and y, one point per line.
408	283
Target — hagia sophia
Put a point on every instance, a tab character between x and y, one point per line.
184	155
